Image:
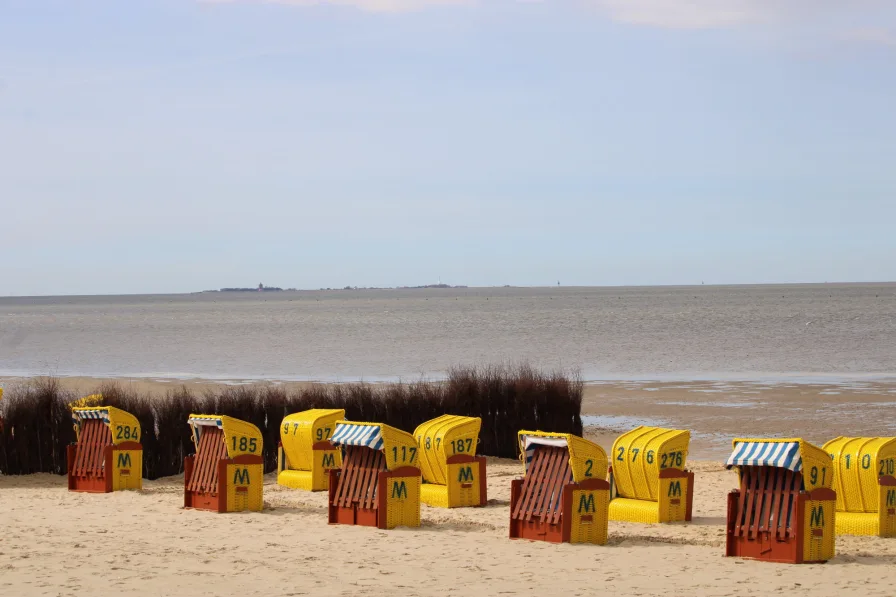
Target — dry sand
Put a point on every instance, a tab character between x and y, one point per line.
144	543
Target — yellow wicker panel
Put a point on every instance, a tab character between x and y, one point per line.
125	426
435	495
127	469
589	516
639	455
672	503
402	502
631	510
858	523
244	487
887	514
296	480
858	463
819	526
587	459
464	484
300	431
241	437
442	438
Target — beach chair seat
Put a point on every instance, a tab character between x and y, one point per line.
107	455
865	482
453	476
563	496
305	455
227	472
648	479
379	482
785	508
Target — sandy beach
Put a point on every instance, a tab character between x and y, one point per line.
144	543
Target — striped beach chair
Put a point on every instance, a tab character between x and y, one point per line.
785	508
453	476
379	482
564	495
648	479
227	472
107	455
305	455
865	481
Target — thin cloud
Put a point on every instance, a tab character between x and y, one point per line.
872	35
366	5
694	14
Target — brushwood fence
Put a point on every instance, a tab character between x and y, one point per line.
37	426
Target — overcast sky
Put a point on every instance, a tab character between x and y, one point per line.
175	145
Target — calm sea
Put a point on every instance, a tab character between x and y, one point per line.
751	332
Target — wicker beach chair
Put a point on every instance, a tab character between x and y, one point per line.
453	476
649	482
379	482
785	508
563	497
305	455
226	473
107	455
864	469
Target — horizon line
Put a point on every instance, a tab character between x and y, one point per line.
462	287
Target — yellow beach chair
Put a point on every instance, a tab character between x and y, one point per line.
865	481
305	455
227	472
379	482
785	509
453	476
564	495
648	479
108	455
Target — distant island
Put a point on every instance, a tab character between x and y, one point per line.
260	288
263	288
394	287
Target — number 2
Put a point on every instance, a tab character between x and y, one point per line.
621	452
589	464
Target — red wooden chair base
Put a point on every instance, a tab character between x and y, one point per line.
97	478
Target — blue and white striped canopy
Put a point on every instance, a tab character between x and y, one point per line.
777	454
349	434
197	423
93	413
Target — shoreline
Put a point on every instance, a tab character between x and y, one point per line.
778	378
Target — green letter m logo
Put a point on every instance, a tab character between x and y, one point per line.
675	489
399	490
241	476
586	503
465	474
817	518
329	461
891	498
124	461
